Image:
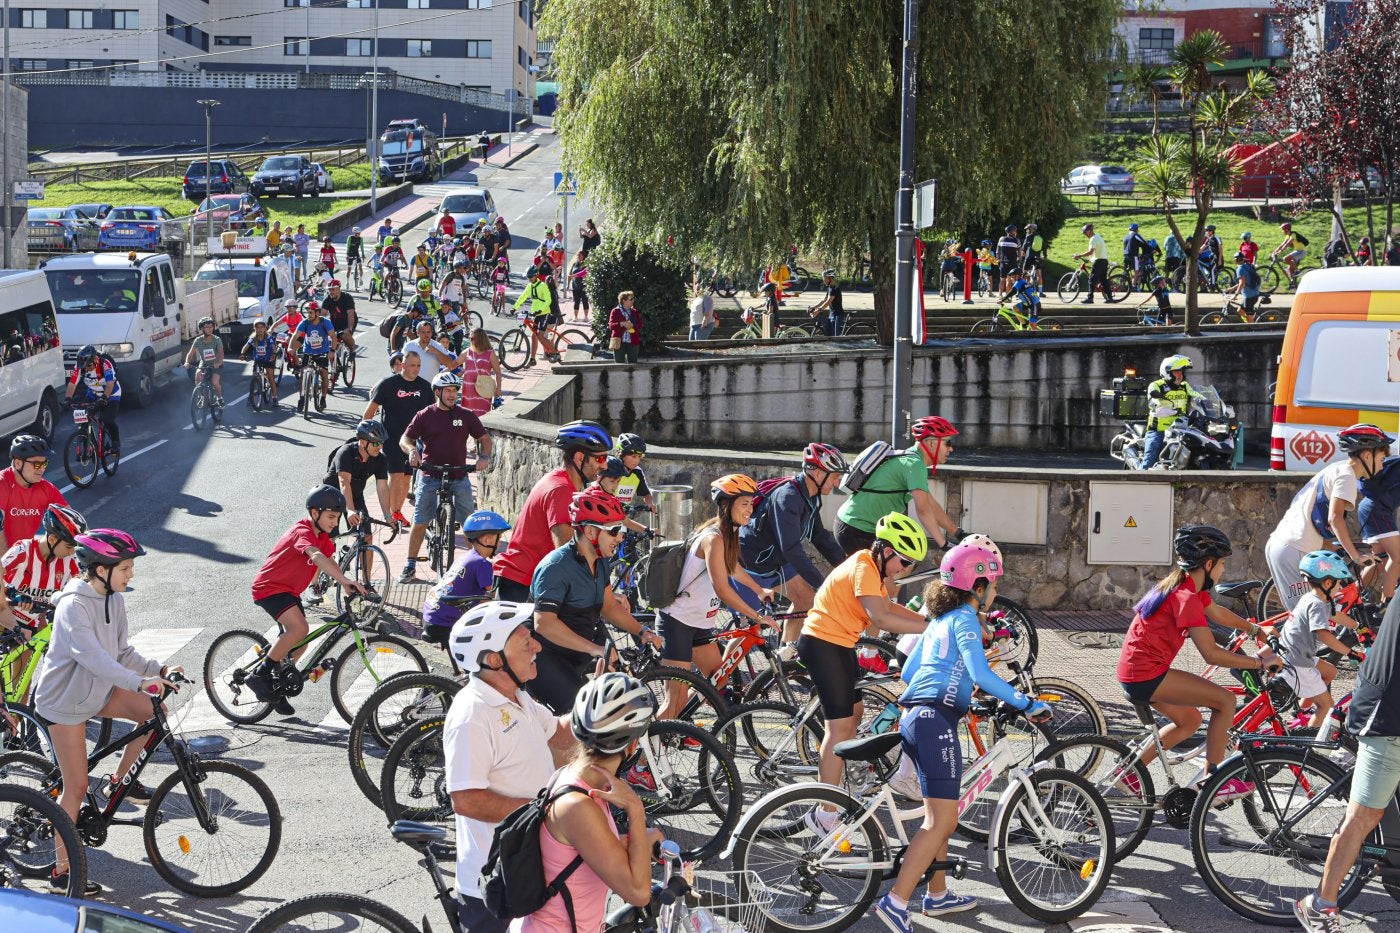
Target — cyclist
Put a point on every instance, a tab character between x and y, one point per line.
388	261
421	265
542	310
207	349
711	576
321	341
1318	511
500	278
1162	295
900	479
1249	247
40	566
1134	250
950	260
987	262
99	380
1247	285
351	467
24	493
500	242
612	474
1291	248
947	663
790	515
855	596
385	234
633	488
1026	296
572	601
261	348
339	309
544	522
497	741
831	304
1172	395
1033	255
91	671
354	248
471	575
394	400
446	225
1098	272
438	437
1309	629
328	255
452	293
301	553
1177	608
1380	497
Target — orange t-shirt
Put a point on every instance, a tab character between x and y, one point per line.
837	615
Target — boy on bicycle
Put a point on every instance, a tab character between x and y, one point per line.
1162	295
207	350
542	310
1027	297
261	347
39	567
1310	628
388	260
1247	283
987	262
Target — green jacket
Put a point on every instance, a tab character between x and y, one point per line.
538	296
1178	395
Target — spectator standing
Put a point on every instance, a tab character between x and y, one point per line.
1392	250
302	241
1175	254
703	318
1098	272
578	271
625	328
1134	248
1033	255
481	374
1008	255
1249	248
591	236
395	400
274	237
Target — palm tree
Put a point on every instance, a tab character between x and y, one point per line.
1146	80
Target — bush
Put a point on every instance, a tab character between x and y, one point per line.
658	279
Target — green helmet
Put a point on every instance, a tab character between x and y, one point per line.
1172	363
425	285
903	534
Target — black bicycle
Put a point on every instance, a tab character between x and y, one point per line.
89	446
211	829
31	824
441	535
205	405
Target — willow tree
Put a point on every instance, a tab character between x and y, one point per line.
743	127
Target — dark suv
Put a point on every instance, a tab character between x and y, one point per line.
284	175
226	178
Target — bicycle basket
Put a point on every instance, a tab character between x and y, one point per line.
726	902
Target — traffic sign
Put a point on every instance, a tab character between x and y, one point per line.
29	191
565	187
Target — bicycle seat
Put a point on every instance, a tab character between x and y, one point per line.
1144	714
869	748
1238	590
420	833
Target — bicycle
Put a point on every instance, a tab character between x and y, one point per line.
813	328
260	386
515	346
88	447
752	329
1209	277
498	297
355	271
342	365
207	816
31	824
1276	275
984	281
952	285
393	287
370	660
357	561
1051	843
441	537
204	404
1076	280
309	386
398	704
1233	309
1014	319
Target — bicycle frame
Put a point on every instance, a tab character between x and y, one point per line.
17	688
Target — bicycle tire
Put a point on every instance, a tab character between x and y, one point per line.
1268	603
1224	280
700	805
984	286
755	736
571	338
347	368
80	459
474	320
1213	318
989	325
317	397
109	458
395	705
1025	647
1085	868
1272	316
393	293
200	414
366	672
414	783
793	332
34	823
1069	287
1047	323
774	845
513	349
1269	279
225	678
1122	284
283	918
191	835
365	612
257	390
1250	896
1101	759
704	706
859	329
725	285
1085	715
975	822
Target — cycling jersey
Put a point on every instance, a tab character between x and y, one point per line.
263	351
391	257
288	569
773	538
837	615
22	507
1028	293
564	585
948	661
337	309
96	382
422	265
1153	643
354	247
27	571
1305	522
1008	250
632	487
471	575
317	337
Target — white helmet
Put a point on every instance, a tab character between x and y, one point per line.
612	711
486	627
446	380
981	540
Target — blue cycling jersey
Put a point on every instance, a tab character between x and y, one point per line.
948	661
264	350
317	340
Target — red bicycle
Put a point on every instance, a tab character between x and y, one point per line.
88	448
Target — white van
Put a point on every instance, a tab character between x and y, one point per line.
31	366
263	284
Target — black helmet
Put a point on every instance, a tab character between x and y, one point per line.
614	468
371	430
325	499
25	446
86	355
769	288
1359	437
63	523
1196	544
631	444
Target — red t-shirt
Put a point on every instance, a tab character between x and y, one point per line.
447	225
1250	250
288	569
23	507
27	571
1152	643
546	506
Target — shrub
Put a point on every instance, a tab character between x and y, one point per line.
658	278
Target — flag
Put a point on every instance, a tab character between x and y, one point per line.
918	328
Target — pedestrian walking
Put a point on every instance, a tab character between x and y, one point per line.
1098	272
481	374
703	318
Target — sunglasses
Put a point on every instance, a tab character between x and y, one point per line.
39	464
616	531
600	458
375	443
903	561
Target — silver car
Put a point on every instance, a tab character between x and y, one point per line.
1092	179
468	206
61	229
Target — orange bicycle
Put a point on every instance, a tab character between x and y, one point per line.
515	348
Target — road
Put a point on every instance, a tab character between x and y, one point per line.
208	506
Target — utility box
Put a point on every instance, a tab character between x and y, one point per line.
1130	523
1008	513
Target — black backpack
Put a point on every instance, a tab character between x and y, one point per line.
512	880
332	477
659	582
1300	239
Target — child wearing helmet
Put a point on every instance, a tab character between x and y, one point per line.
855	596
1171	395
608	480
633	490
947	662
987	262
1310	628
470	579
261	348
207	351
1161	294
900	479
1291	249
40	566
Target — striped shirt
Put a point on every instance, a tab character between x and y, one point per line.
27	571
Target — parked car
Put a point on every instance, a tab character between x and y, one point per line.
95	211
284	175
49	913
225	178
324	181
138	227
61	229
1092	179
225	211
468	206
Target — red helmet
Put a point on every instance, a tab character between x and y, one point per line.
821	456
933	426
333	283
593	506
1359	437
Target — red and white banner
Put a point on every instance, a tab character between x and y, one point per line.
918	328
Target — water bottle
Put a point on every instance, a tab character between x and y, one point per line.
321	670
888	717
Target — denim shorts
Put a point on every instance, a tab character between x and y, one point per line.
425	498
1377	772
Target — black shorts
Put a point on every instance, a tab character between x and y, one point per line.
278	603
834	672
268	365
437	635
1141	691
680	640
397	459
852	539
1034	261
558	678
512	592
321	361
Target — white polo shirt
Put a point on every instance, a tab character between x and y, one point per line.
493	743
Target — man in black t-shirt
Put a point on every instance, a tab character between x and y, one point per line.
831	304
399	398
339	309
353	465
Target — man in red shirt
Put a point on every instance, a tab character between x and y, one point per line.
544	522
447	224
24	493
296	558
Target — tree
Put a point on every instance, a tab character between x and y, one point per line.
1195	165
1145	79
657	277
741	127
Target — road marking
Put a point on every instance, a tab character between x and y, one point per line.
227	406
125	457
386	664
160	644
200	715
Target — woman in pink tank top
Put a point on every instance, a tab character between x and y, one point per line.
479	360
609	715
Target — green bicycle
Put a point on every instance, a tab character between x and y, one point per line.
370	660
1014	318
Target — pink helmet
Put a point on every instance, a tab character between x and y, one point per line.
965	564
106	547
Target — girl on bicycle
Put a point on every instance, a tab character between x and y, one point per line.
1177	608
708	577
91	671
947	662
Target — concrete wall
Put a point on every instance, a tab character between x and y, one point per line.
17	135
1023	393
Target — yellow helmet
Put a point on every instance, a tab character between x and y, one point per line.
903	534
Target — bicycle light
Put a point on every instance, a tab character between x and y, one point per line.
1086	871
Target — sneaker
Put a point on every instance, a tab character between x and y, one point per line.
1232	790
58	884
283	708
874	664
948	903
639	776
1317	921
260	682
895	918
136	792
907	786
406	575
1087	301
399	520
821	822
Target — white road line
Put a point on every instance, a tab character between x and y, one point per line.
200	715
386	664
125	457
227	406
160	644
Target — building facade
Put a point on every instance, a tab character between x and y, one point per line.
1149	30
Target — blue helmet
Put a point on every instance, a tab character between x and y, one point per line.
483	522
615	468
1132	226
584	435
1324	565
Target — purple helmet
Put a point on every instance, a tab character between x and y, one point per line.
106	547
965	564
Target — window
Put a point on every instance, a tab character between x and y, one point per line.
80	19
520	56
83	63
420	48
295	45
33	19
33	64
124	64
126	19
1160	39
233	40
362	48
524	10
296	2
420	5
359	4
478	4
1324	381
478	48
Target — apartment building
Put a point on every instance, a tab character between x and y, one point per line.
1149	30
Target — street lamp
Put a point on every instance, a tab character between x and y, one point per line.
372	143
903	361
208	106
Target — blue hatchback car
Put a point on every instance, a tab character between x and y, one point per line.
136	228
28	912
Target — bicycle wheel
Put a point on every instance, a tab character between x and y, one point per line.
31	827
689	785
304	402
414	783
1023	644
1245	857
231	658
1268	603
862	329
357	673
1070	284
1125	787
21	731
1269	279
200	413
80	459
320	912
794	688
703	705
370	568
257	391
574	339
473	320
768	752
984	286
1224	279
1122	284
316	395
398	704
357	271
793	333
987	326
393	292
975	735
513	348
816	886
213	836
1047	323
1076	711
1272	316
1212	318
1056	868
346	364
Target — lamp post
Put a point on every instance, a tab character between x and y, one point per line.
371	144
208	105
903	362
